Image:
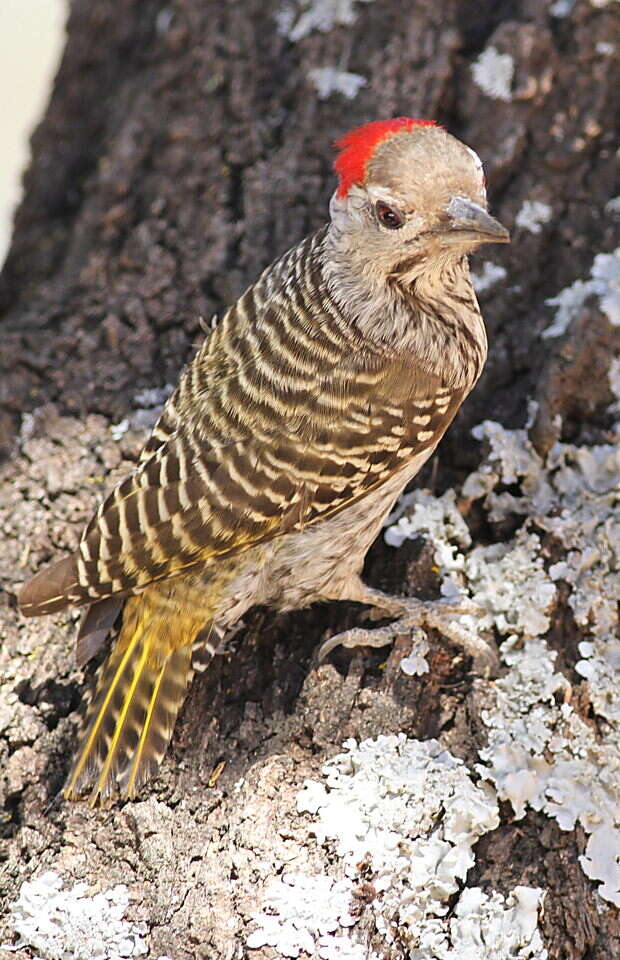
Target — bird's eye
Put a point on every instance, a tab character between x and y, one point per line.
388	216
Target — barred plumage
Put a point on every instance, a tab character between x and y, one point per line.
314	400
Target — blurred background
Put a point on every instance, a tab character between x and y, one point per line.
31	36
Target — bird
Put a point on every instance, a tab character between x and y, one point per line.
308	408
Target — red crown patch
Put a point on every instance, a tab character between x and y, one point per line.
357	147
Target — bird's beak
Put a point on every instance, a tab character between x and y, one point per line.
468	219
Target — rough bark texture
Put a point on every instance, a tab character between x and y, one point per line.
183	148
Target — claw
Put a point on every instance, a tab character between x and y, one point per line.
411	614
359	637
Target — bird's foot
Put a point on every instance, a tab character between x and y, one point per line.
410	615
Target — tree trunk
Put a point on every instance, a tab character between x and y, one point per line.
185	146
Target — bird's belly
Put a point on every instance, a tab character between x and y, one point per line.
305	566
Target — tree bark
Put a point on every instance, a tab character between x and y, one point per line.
184	147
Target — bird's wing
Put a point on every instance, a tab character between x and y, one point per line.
284	417
195	501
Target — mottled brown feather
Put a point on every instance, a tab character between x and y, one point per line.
302	440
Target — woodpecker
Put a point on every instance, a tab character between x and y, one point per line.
291	433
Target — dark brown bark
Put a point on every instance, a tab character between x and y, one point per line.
183	148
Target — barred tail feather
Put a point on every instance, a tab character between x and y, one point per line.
168	693
138	696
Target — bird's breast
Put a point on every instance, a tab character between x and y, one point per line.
307	565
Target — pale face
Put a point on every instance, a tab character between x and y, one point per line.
423	204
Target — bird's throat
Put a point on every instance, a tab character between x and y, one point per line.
432	316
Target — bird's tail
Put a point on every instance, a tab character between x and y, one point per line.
139	692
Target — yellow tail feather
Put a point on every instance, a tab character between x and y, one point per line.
138	695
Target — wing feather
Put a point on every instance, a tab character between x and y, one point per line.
284	417
239	496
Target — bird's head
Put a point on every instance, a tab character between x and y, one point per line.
410	198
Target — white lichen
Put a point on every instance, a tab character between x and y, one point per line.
118	430
164	20
332	947
149	404
573	496
561	8
612	206
410	812
27	427
493	73
606	276
394	794
486	928
299	18
586	481
614	383
153	396
437	519
328	80
415	663
532	215
69	925
301	912
569	302
507	581
604	283
488	275
540	753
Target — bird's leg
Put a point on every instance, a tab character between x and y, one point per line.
410	614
